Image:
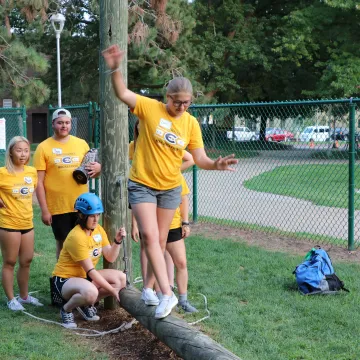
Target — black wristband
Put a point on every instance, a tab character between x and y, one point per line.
87	273
117	242
185	223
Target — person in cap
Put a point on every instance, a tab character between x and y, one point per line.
75	278
55	159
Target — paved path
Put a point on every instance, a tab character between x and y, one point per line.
222	195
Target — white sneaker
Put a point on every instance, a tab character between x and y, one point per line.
14	305
30	300
166	305
149	297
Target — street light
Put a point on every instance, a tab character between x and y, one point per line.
58	21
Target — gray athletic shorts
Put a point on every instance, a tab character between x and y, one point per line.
165	199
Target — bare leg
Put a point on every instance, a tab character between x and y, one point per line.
143	261
169	267
25	257
177	251
116	278
78	292
154	226
10	246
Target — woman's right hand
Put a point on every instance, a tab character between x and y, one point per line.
113	56
135	235
46	218
2	204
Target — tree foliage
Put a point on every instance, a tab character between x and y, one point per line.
21	66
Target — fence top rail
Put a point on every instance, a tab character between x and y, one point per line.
3	110
77	106
278	103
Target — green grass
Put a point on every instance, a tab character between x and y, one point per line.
325	185
256	310
25	338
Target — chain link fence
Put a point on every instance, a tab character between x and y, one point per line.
12	123
296	176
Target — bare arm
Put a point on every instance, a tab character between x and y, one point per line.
184	211
204	162
111	252
135	235
188	161
40	194
113	57
96	277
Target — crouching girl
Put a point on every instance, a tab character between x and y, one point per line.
75	278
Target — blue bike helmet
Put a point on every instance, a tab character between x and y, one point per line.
89	204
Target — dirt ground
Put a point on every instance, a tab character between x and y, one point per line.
138	343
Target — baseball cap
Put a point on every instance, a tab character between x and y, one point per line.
59	113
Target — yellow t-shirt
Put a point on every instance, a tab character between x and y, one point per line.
176	221
79	246
160	145
59	160
16	191
131	150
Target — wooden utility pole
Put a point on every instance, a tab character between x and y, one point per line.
114	131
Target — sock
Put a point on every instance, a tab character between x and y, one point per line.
25	298
182	298
159	294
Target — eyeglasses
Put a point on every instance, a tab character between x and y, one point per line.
178	103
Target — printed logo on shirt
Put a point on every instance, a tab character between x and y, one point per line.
165	124
97	237
57	151
28	179
24	191
75	159
56	161
170	138
96	252
67	160
15	191
159	132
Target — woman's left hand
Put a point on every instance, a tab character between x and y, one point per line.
185	229
120	234
93	169
223	163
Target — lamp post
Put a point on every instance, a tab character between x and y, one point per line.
58	21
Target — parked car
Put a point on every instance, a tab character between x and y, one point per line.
241	133
340	134
267	130
276	135
315	133
290	136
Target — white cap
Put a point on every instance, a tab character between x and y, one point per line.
59	113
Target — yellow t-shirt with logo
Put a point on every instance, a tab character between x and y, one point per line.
77	247
176	221
16	191
59	160
160	145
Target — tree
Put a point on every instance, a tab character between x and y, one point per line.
21	65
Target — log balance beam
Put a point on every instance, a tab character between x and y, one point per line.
187	342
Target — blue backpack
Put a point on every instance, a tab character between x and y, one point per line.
316	274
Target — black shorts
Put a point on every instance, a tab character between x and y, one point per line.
56	285
174	235
22	232
62	224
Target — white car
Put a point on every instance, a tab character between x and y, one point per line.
315	133
241	133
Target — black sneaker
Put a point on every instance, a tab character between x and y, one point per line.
67	319
88	313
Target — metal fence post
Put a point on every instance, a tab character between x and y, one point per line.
351	212
90	122
24	128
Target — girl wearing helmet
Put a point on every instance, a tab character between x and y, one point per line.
75	278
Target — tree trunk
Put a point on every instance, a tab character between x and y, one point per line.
114	132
